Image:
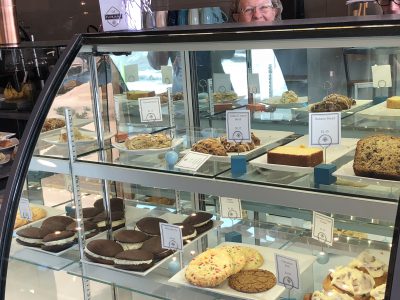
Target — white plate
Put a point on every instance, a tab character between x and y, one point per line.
54	139
354	108
75	122
305	261
275	101
267	137
14	141
122	147
332	154
347	172
379	112
5	160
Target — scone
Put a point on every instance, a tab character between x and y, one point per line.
209	269
371	265
238	256
378	293
254	259
327	295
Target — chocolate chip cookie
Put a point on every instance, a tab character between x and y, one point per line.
252	281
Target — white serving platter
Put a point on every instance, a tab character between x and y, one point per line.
305	261
122	147
267	137
332	154
379	112
54	138
276	101
359	105
347	172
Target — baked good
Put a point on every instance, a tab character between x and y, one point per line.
228	96
238	256
350	233
160	200
236	147
327	295
31	236
78	136
5	143
393	102
188	231
148	141
153	245
116	204
135	95
289	97
57	223
371	265
58	241
254	259
378	293
134	260
378	157
130	239
201	221
117	220
333	102
90	229
38	213
102	251
252	281
52	123
209	269
2	156
211	146
300	156
121	137
150	225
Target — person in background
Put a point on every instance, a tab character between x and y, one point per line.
389	6
247	11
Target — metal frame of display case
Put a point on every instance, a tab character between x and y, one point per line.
341	30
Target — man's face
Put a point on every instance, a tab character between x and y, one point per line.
393	8
256	11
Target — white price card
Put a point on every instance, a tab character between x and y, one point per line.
254	83
166	74
193	161
25	210
381	76
325	129
171	236
222	83
238	127
287	271
230	208
322	228
131	73
150	109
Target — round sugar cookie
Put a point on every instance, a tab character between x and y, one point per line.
254	259
238	257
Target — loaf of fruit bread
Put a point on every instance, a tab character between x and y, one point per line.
300	156
393	102
378	157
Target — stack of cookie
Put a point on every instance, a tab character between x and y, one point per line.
239	264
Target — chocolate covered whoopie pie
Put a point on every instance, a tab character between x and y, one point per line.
116	204
150	225
188	231
201	221
153	245
102	251
117	218
58	241
90	212
130	239
57	223
134	260
31	236
90	228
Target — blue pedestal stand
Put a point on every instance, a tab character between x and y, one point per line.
238	165
323	174
379	99
233	236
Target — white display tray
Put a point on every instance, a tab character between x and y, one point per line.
267	137
275	101
379	112
359	105
54	138
75	122
332	154
347	172
122	147
305	261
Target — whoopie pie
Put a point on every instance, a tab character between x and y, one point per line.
153	245
58	241
90	228
57	223
130	239
150	225
201	221
117	218
102	251
134	260
188	231
31	236
116	204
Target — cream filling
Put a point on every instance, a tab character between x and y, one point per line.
60	242
29	240
113	224
330	295
374	266
190	235
130	246
90	231
379	292
201	224
98	256
352	280
132	262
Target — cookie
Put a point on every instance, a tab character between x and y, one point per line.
188	232
130	239
201	221
209	269
58	241
254	259
252	281
117	219
150	225
153	245
57	223
32	236
116	204
102	251
238	257
134	260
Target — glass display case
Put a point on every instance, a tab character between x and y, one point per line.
153	133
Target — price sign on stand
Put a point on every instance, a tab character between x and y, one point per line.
322	228
325	129
166	74
254	83
230	208
25	210
171	237
238	126
381	76
222	83
150	109
287	271
131	73
192	161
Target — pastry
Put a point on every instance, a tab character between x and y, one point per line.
38	213
209	269
78	136
102	251
254	259
300	156
201	221
117	220
238	256
2	156
378	293
188	231
160	200
52	123
134	260
289	97
130	239
90	229
150	225
148	141
6	143
135	95
121	137
350	233
252	281
58	241
116	204
225	96
210	146
378	157
153	245
393	102
31	236
57	223
327	295
371	265
333	102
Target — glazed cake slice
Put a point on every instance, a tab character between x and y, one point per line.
299	156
